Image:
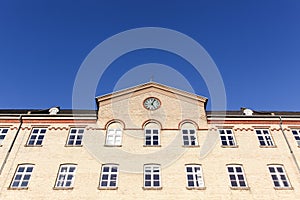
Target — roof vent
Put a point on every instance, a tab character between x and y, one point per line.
248	112
53	111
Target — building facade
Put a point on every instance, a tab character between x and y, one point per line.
152	142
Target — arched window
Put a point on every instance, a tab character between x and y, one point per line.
189	134
152	134
114	134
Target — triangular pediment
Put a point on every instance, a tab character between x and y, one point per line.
150	87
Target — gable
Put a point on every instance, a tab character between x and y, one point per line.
129	106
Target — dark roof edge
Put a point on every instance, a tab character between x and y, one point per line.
239	113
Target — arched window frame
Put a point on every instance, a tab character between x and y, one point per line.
114	133
188	130
152	129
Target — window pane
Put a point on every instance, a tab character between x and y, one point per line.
233	183
230	169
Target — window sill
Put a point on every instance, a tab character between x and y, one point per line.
152	188
196	188
33	145
151	145
63	188
109	145
283	188
73	145
16	188
263	146
107	188
240	188
190	146
230	146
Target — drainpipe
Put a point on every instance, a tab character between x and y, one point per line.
12	144
291	151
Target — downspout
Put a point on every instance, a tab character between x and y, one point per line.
291	151
12	144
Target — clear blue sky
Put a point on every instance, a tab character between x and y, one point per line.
254	43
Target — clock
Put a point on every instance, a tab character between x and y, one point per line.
151	103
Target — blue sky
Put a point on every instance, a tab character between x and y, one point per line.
255	45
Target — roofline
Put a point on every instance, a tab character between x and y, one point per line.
123	91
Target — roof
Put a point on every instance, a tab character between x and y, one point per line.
239	113
45	112
93	112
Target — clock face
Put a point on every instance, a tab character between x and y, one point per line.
151	103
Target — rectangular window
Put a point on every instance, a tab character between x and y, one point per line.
278	176
109	176
75	137
65	177
3	132
264	137
114	137
236	176
36	137
151	137
22	176
189	137
152	176
194	176
227	137
296	134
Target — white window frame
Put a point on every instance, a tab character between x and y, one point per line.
114	137
189	137
3	133
227	137
278	176
65	176
296	134
152	175
236	176
194	176
37	135
149	136
264	138
109	175
22	176
75	137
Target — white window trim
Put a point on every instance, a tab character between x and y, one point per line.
236	175
227	134
114	133
109	173
77	134
37	136
197	177
22	174
189	135
297	131
278	176
265	140
3	132
151	136
65	174
152	174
